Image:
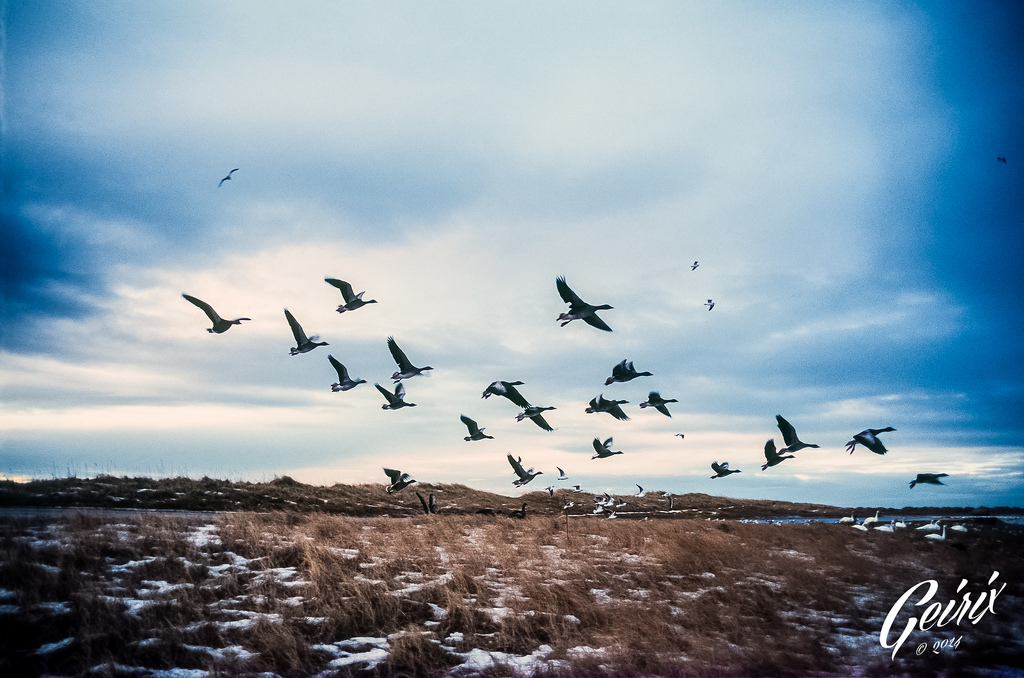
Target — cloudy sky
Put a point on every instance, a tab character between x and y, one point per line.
832	166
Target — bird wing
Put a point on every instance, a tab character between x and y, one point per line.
516	466
769	450
664	410
513	394
594	321
423	502
346	289
207	309
393	474
388	395
540	421
568	296
470	424
398	355
339	368
300	336
788	432
597	446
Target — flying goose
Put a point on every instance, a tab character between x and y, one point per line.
771	456
579	309
303	344
869	439
344	382
722	470
520	514
398	479
640	492
937	537
694	265
475	432
1001	159
228	177
860	526
928	478
623	372
604	450
507	389
352	301
710	304
220	325
793	443
406	370
561	474
395	400
600	404
655	400
958	528
848	519
533	413
525	475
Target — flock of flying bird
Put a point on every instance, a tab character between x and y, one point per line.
624	371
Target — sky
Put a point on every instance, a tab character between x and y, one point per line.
833	167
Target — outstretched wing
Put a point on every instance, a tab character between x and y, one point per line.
398	355
393	474
788	432
300	336
388	395
470	424
568	296
207	309
516	466
540	421
598	447
346	289
594	321
769	450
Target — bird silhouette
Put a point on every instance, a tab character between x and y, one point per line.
228	177
710	304
508	390
1001	159
601	404
928	479
793	443
344	382
694	265
655	400
398	479
352	301
395	400
303	344
624	372
579	309
722	470
533	413
603	449
869	439
406	370
475	432
771	456
524	475
220	325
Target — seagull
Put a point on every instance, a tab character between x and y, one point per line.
352	301
891	527
533	413
958	528
520	514
525	475
793	443
937	537
710	304
861	526
395	400
406	370
344	382
655	400
579	309
561	474
869	439
623	372
640	491
604	449
932	526
600	404
772	457
507	389
302	343
228	177
475	432
694	265
899	524
722	470
929	478
399	480
219	324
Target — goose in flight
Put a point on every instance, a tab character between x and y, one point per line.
228	177
891	527
655	400
303	344
352	301
869	439
475	432
519	514
722	470
771	456
395	400
579	309
507	389
694	265
344	382
682	436
601	404
710	304
793	443
399	480
929	479
220	325
931	526
406	370
525	475
1001	159
561	474
533	413
604	450
623	372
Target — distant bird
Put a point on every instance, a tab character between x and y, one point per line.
604	450
623	372
694	265
302	343
352	301
507	389
520	514
722	470
640	492
848	519
219	324
860	526
577	488
870	521
710	304
682	436
931	526
655	400
429	505
937	537
1002	160
899	524
869	439
561	474
771	456
601	404
891	527
928	478
533	413
525	475
344	382
395	400
958	528
793	443
398	479
579	309
228	177
551	490
406	370
475	432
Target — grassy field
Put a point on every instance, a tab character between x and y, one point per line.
297	593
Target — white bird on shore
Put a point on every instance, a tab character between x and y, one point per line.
395	400
869	521
848	519
345	382
937	537
640	492
398	479
899	524
579	309
891	527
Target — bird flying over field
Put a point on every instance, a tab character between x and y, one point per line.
228	177
303	344
398	480
601	404
579	309
475	432
524	475
344	382
220	325
603	449
406	370
352	301
869	439
928	479
655	400
395	400
561	474
624	372
793	443
771	456
722	470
